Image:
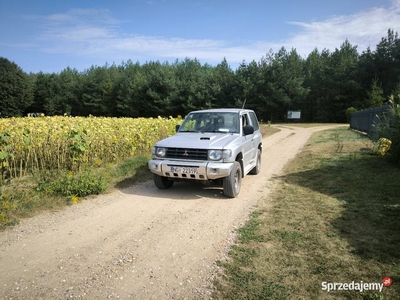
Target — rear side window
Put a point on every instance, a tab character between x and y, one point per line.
254	121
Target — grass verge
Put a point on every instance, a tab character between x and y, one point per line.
267	130
333	216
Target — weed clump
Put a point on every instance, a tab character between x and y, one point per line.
75	184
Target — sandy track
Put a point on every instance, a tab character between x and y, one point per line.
139	242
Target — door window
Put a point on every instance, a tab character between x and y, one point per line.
254	121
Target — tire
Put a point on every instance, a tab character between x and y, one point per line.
162	182
257	168
232	182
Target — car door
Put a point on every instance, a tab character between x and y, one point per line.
257	134
247	144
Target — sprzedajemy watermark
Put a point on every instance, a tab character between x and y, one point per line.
360	286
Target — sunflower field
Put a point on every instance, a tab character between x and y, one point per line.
29	144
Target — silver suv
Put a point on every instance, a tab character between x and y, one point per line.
215	146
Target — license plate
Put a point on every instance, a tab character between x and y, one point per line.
184	170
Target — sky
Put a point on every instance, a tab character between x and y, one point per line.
49	35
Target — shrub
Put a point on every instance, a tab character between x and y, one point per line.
349	112
390	129
75	185
7	209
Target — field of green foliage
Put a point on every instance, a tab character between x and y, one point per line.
48	162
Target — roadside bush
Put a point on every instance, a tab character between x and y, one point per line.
349	112
7	209
75	184
395	134
390	129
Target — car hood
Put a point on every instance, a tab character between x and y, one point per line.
198	140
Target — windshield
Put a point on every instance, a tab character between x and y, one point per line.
211	122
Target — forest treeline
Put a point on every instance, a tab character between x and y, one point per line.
323	85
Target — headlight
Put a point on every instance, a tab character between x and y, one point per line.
159	151
219	154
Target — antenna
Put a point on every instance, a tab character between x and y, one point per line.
244	102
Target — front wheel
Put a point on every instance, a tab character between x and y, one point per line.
162	182
232	182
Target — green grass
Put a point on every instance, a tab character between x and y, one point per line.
268	130
335	217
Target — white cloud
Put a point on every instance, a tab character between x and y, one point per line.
363	29
96	33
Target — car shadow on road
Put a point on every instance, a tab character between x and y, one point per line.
179	191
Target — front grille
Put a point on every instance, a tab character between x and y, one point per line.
184	153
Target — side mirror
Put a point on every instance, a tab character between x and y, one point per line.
248	129
177	127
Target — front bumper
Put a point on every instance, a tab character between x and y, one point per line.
203	170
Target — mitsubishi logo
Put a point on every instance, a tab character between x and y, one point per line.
185	153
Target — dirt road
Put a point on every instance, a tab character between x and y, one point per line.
136	243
